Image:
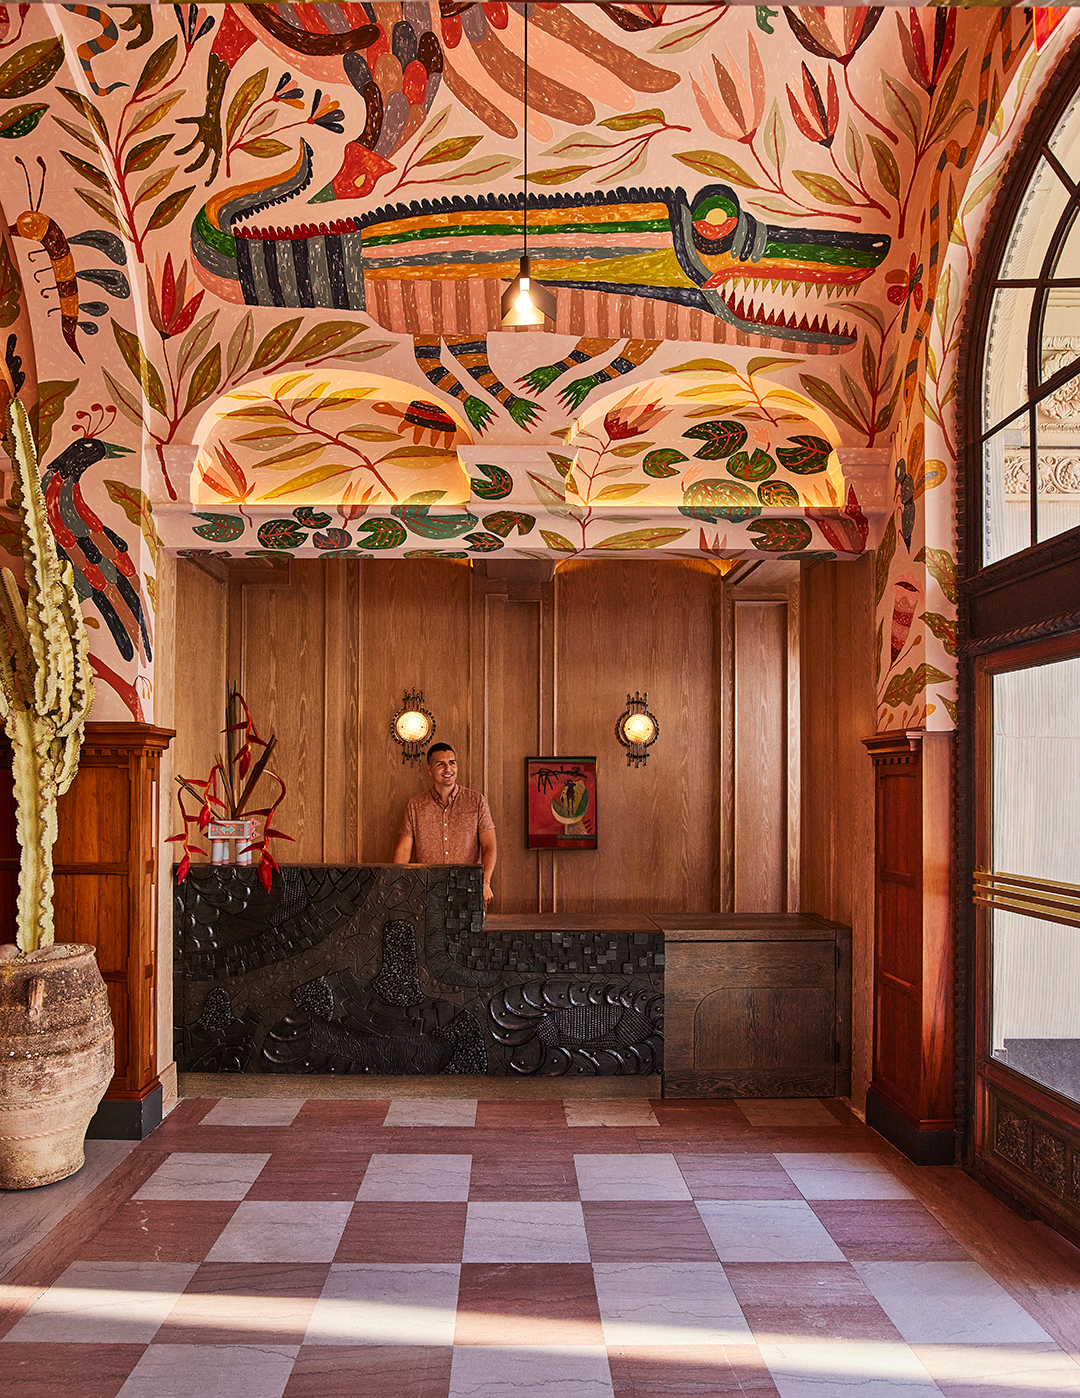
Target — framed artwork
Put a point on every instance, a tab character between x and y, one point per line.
560	802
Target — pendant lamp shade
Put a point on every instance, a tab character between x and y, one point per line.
525	302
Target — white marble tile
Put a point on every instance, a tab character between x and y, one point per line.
1000	1371
948	1303
253	1111
202	1175
786	1111
848	1369
386	1304
501	1371
211	1371
842	1175
532	1232
417	1177
628	1176
610	1111
773	1230
109	1303
431	1111
668	1303
282	1231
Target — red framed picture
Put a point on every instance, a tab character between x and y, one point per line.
561	802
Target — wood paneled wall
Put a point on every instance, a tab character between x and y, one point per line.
838	710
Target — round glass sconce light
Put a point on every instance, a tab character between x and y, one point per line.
637	729
413	726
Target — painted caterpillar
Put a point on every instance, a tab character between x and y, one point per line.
40	228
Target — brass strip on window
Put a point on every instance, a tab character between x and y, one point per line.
1039	898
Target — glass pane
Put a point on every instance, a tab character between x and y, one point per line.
1065	142
1067	262
1059	461
1059	342
1043	204
1036	834
1005	368
1006	495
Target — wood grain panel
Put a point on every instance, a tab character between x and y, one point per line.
780	1029
199	680
761	819
750	963
641	625
513	733
96	828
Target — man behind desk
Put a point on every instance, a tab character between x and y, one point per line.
449	824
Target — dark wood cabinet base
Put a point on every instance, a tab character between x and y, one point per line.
126	1119
922	1147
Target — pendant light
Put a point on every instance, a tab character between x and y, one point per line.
525	302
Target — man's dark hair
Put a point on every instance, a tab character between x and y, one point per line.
438	747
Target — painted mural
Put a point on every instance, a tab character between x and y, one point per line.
254	255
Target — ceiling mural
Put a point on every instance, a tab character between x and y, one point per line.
257	253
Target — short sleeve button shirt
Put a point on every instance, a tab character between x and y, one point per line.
447	834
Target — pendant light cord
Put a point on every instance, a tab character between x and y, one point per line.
525	143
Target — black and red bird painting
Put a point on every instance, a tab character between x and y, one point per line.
104	572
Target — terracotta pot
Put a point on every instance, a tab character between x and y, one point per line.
56	1060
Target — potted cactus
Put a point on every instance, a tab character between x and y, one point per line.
56	1034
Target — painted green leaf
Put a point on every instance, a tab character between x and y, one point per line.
883	563
195	342
781	535
950	706
888	172
778	493
420	521
241	342
204	379
281	534
824	393
86	108
806	455
103	207
660	464
745	466
156	67
481	542
641	539
826	189
557	541
381	533
455	148
307	480
653	116
425	553
275	342
265	553
504	522
547	491
135	503
247	94
336	539
264	147
717	166
52	395
497	485
903	688
134	357
21	120
156	112
619	492
10	287
324	339
309	518
219	529
169	207
80	133
721	436
943	627
561	174
153	185
942	568
713	500
89	171
31	68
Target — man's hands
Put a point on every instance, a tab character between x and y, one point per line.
488	895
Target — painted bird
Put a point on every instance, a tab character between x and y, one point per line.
104	573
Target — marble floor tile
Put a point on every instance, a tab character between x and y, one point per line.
211	1371
431	1111
949	1303
537	1303
282	1231
630	1177
612	1111
321	1114
253	1111
780	1230
159	1230
668	1303
697	1114
887	1230
842	1369
842	1175
236	1303
380	1304
666	1230
549	1231
579	1371
371	1371
428	1178
378	1232
736	1177
523	1175
797	1301
203	1175
786	1111
104	1303
291	1174
1000	1371
520	1116
689	1371
44	1370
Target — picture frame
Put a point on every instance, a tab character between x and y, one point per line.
560	803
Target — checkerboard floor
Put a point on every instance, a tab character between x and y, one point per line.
425	1248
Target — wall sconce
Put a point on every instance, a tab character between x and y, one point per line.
637	730
413	726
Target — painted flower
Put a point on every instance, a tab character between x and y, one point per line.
927	44
327	114
733	108
822	116
906	287
285	92
836	33
632	417
170	312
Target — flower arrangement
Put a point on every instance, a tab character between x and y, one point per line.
225	793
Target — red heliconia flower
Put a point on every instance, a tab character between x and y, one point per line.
631	417
926	42
820	120
837	32
169	311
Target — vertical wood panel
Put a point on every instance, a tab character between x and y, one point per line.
199	678
761	752
513	735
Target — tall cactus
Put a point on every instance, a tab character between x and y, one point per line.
46	687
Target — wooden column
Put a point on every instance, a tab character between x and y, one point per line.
105	871
910	1100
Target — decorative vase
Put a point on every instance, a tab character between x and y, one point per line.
56	1060
222	833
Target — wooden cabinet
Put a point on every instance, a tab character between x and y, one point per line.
105	875
910	1100
756	1005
